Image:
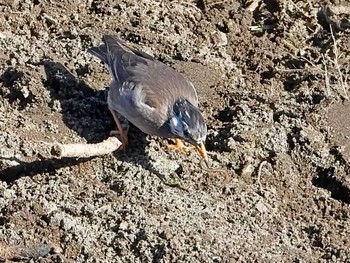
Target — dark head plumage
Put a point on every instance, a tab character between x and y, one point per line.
188	123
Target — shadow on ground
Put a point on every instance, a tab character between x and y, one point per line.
85	111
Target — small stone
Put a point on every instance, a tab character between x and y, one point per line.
123	225
220	38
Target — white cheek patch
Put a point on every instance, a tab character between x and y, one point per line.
174	122
176	126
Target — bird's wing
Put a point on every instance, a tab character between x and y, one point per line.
155	83
162	84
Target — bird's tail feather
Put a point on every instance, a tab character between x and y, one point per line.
100	52
114	47
118	45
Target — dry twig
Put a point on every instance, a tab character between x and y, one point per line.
343	82
79	150
58	150
326	76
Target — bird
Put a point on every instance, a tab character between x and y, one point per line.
151	95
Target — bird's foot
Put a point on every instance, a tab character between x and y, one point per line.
122	135
180	146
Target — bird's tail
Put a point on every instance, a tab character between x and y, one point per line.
100	52
114	46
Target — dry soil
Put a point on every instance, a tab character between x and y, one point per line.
273	82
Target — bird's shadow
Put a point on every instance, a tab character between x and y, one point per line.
85	111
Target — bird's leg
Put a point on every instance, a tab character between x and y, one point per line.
121	132
179	145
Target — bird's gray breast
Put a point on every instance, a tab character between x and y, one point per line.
130	101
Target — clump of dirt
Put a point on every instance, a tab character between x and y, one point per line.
272	78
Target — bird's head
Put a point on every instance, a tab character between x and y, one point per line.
188	124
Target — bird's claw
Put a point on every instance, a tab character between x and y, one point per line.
180	146
123	137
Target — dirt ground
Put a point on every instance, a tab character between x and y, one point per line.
273	82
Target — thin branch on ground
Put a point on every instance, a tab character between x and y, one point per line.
80	150
73	150
343	83
326	76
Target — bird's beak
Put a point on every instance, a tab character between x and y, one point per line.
203	152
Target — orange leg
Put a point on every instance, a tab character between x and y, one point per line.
180	146
121	132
